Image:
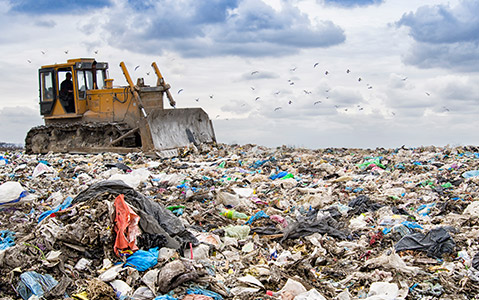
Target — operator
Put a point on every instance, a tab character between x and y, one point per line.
66	93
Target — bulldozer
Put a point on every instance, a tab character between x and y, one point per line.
84	112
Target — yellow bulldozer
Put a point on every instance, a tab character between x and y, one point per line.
85	113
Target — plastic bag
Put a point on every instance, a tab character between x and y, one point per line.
126	226
32	283
11	192
143	260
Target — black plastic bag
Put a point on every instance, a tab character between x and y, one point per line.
435	243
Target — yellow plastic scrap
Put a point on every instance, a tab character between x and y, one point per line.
81	296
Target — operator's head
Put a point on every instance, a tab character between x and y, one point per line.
69	75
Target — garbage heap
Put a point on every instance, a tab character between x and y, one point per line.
241	222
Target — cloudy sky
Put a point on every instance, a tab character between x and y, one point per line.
303	73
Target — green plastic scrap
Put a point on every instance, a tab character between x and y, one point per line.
376	161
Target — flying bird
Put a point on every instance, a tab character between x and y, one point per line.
445	108
337	106
96	51
148	73
197	99
317	102
361	108
293	69
307	92
404	79
66	51
277	92
428	94
256	99
252	88
315	65
136	68
43	52
254	72
326	73
211	96
290	102
277	108
180	90
370	87
217	116
347	71
359	79
29	61
291	83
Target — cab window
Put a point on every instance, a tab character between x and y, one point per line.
46	84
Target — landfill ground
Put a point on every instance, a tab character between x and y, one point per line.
241	222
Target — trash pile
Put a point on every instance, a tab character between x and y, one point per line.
241	222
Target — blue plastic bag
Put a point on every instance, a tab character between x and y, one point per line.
7	239
143	260
199	291
260	214
165	297
32	283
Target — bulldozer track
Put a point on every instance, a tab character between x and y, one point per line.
68	137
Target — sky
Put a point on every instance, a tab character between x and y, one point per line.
300	73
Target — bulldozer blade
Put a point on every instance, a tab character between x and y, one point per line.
179	127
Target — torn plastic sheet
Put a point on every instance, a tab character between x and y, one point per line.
435	243
64	205
311	224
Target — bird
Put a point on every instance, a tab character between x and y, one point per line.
211	96
315	65
370	87
404	79
326	73
66	51
317	102
180	90
290	102
428	94
277	92
277	108
43	52
254	72
257	98
445	108
148	73
136	68
359	79
29	61
252	88
345	109
197	99
307	92
393	113
361	108
337	106
291	83
293	69
327	91
347	71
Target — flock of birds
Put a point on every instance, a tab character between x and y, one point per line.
317	102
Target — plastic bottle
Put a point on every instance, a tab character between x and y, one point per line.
234	215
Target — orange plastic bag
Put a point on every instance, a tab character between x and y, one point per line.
126	226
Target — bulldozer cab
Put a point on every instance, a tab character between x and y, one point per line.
60	95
